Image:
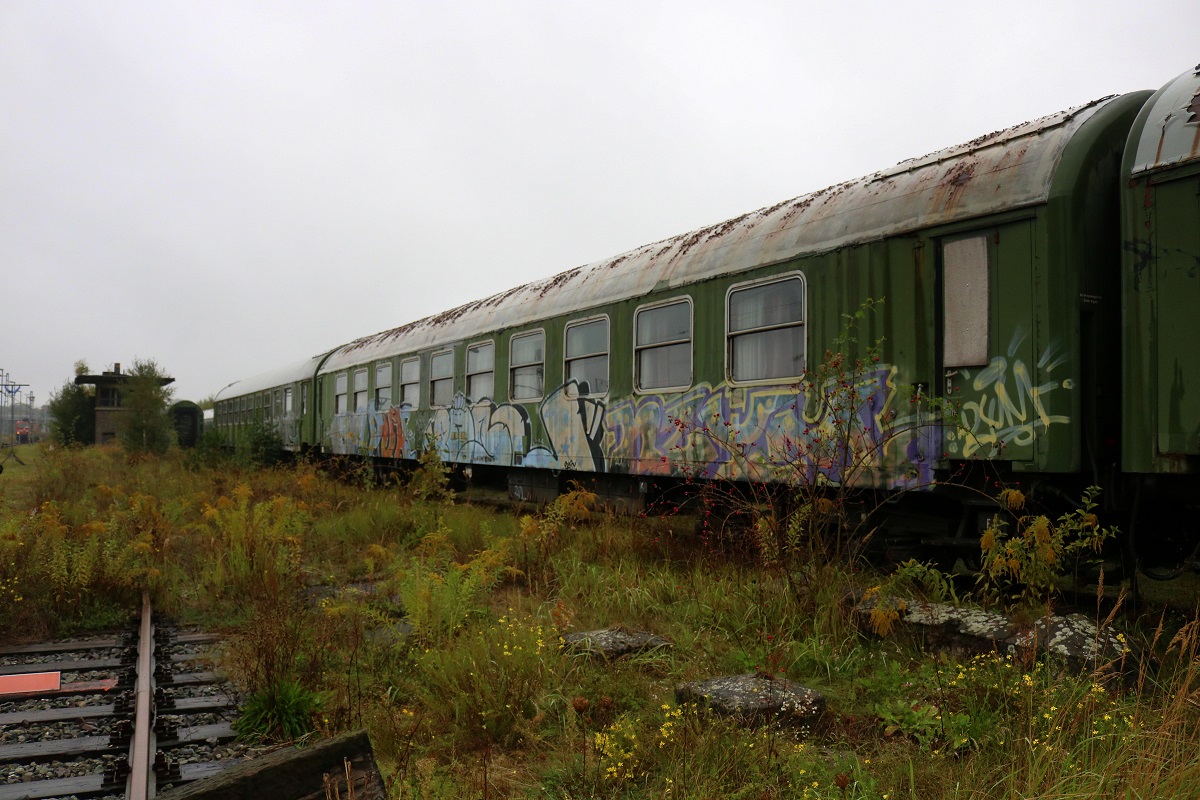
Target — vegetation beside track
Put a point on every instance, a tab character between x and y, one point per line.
436	626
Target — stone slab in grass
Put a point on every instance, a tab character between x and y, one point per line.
756	699
1073	639
612	643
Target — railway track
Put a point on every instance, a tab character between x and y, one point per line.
112	718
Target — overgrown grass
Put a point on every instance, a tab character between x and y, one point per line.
437	627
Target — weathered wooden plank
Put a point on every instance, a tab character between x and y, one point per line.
199	733
61	666
207	702
55	787
294	774
55	714
191	679
199	772
198	638
42	751
58	647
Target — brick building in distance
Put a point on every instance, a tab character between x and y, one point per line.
110	415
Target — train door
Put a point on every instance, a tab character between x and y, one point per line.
987	343
1176	263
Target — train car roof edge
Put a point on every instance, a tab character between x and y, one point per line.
939	188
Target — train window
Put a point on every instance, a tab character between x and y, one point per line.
410	382
765	330
340	394
360	390
663	346
441	378
383	385
287	402
279	402
587	356
527	365
304	390
965	302
481	374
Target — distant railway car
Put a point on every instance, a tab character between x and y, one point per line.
188	422
279	399
999	264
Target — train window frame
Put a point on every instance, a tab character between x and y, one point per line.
473	375
606	352
415	383
436	380
341	393
287	401
966	320
759	330
278	403
305	387
513	367
638	349
383	385
361	395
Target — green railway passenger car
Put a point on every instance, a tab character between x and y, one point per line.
997	272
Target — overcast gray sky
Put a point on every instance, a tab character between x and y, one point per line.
230	186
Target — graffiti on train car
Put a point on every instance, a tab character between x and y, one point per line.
1003	406
851	433
723	431
483	432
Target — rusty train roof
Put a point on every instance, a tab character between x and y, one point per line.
1171	133
1002	170
292	373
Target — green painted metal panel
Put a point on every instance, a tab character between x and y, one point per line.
1176	276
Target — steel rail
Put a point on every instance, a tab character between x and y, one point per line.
141	784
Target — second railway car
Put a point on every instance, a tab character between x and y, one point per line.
1016	290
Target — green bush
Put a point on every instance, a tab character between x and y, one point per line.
282	712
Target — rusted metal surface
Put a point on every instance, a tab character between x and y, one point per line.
1171	134
1004	170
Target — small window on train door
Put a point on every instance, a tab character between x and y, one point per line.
383	385
663	346
441	378
586	360
527	366
410	382
965	302
360	390
287	402
341	397
765	330
481	372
